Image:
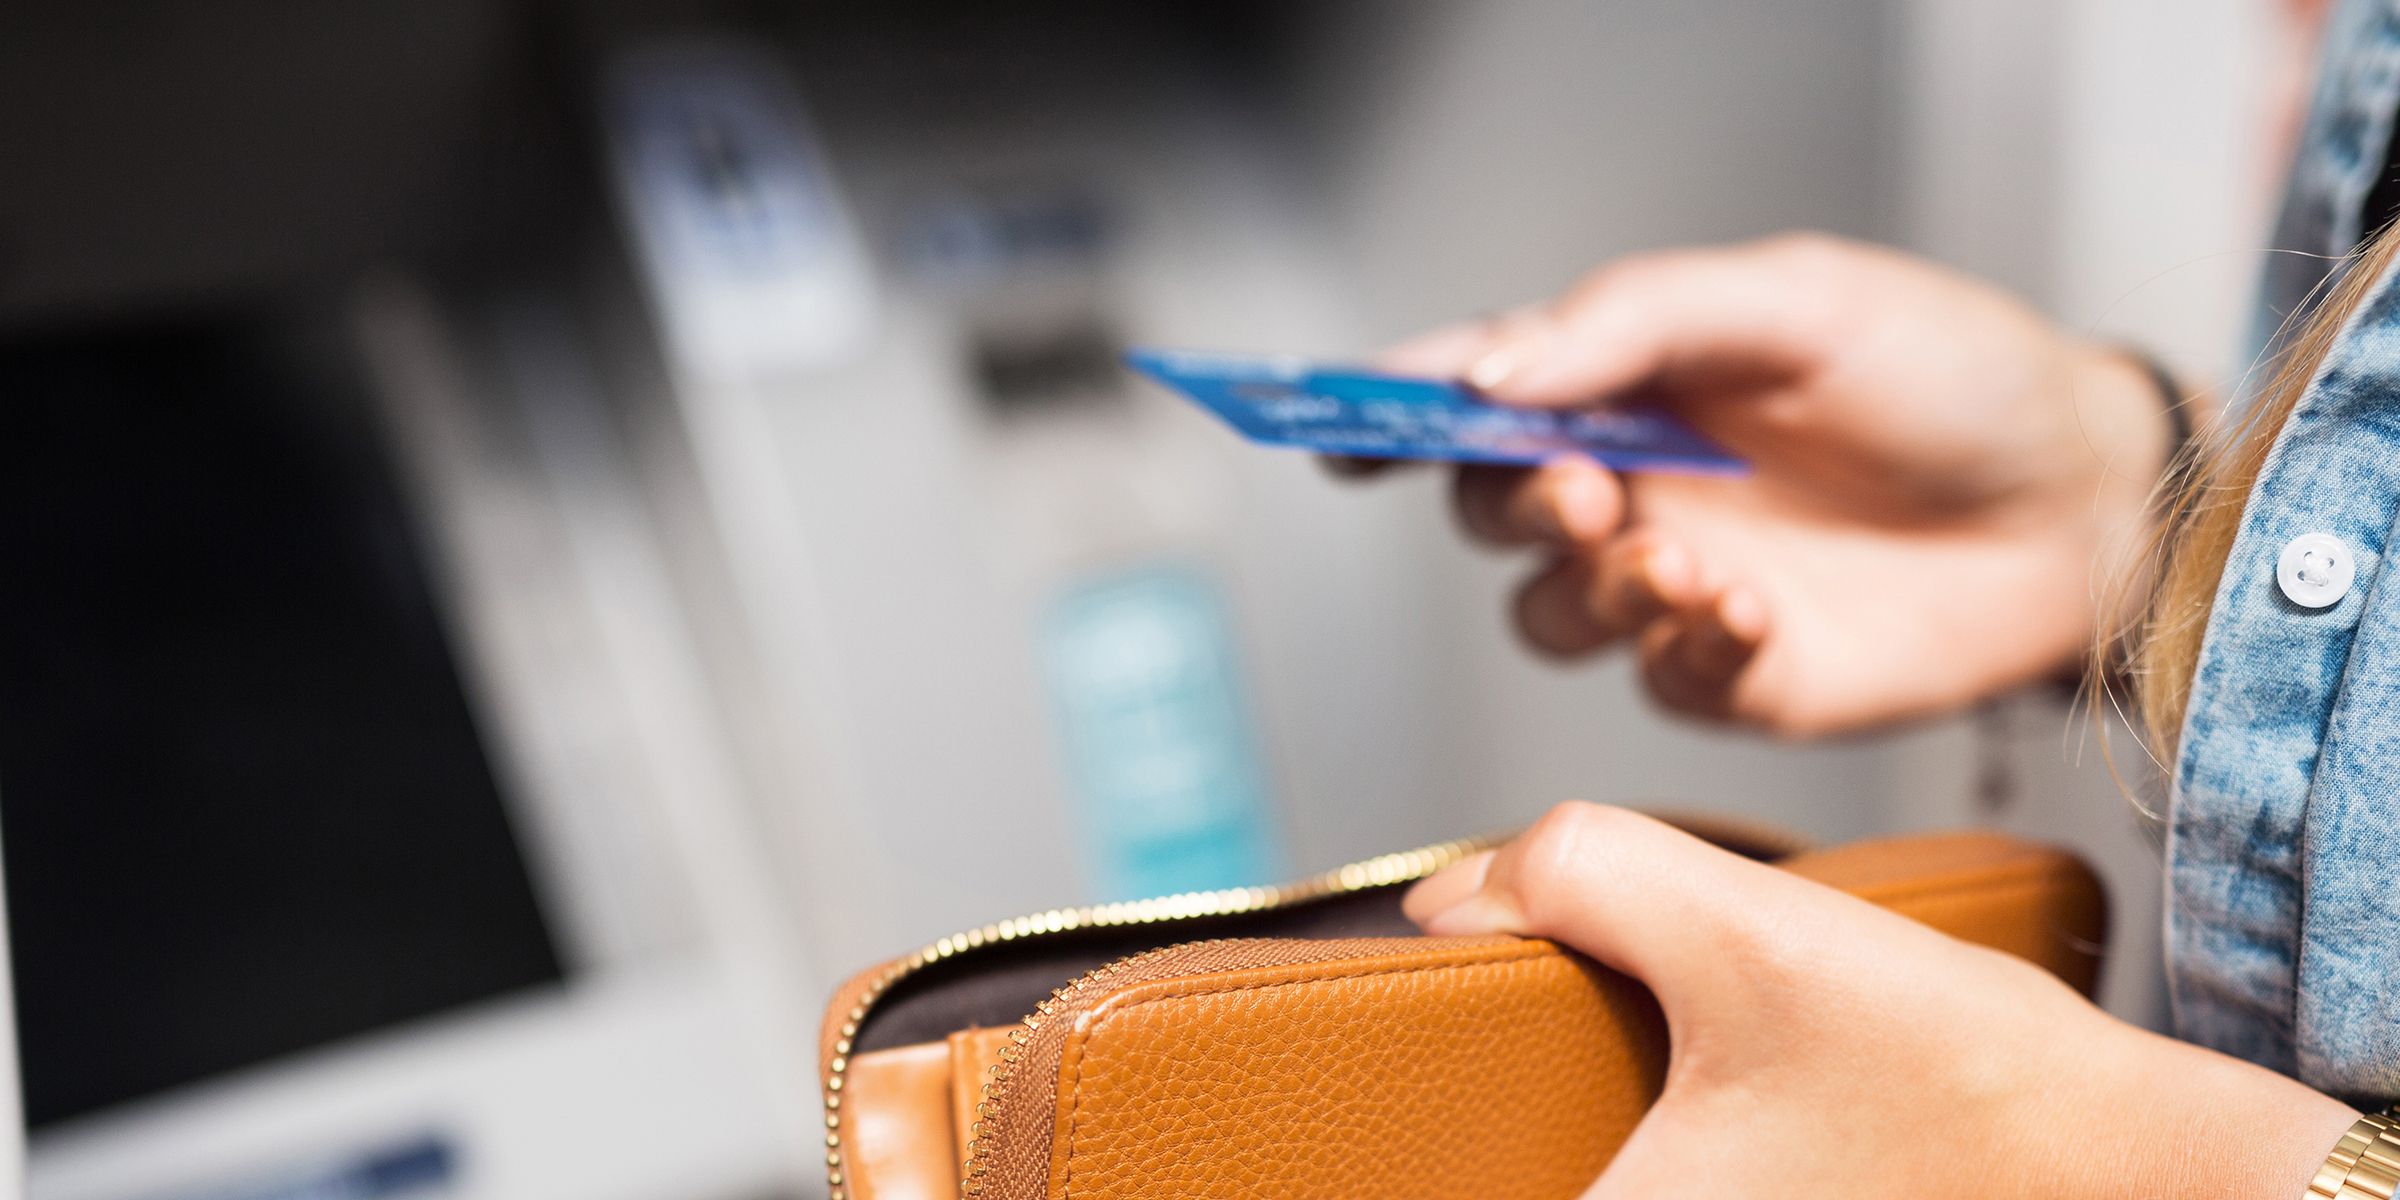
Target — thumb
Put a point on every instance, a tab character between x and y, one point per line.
1657	904
1751	313
1447	352
1630	891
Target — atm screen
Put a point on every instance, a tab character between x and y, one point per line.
245	808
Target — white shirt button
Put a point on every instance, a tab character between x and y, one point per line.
2315	570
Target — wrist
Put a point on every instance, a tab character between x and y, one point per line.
2133	427
2283	1140
2293	1134
2239	1131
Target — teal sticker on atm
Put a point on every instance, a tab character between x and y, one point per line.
1158	735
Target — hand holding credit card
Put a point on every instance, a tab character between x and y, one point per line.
1354	413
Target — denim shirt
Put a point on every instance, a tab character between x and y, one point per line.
2283	925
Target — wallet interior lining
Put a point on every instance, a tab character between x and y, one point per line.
1000	985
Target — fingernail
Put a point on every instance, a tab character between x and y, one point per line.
1493	369
1447	886
1477	914
1512	354
1743	614
1669	569
1580	510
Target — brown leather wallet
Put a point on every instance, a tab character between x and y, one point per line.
1298	1042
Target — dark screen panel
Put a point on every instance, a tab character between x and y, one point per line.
245	809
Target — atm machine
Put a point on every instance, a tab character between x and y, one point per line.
469	698
536	537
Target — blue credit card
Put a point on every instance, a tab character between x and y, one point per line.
1284	401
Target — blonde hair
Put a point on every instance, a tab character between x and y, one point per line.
2201	501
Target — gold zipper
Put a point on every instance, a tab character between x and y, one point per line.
1386	870
996	1077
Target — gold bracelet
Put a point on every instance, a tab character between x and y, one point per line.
2364	1165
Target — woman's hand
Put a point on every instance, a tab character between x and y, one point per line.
1822	1047
1938	470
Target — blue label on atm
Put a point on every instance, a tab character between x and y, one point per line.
1158	734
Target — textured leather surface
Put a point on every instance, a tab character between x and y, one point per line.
1507	1071
1504	1069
